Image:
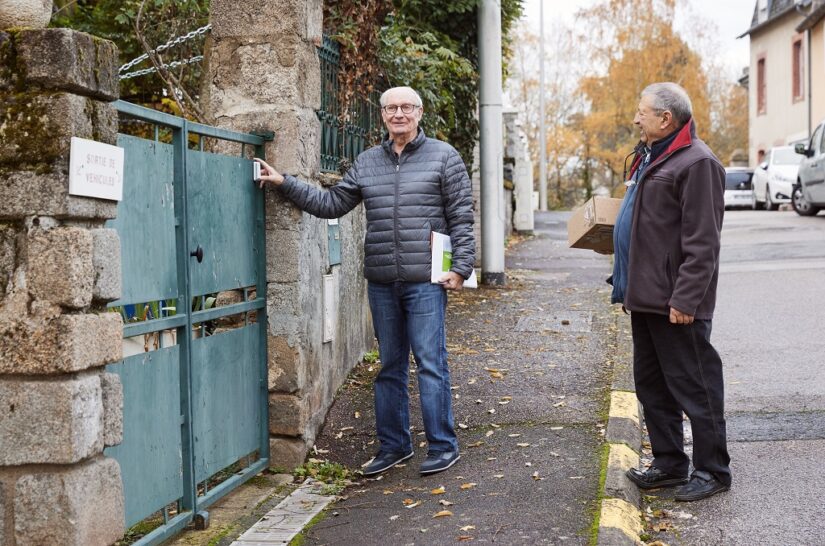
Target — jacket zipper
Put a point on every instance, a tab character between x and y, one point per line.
395	216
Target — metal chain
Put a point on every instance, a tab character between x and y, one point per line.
171	43
173	64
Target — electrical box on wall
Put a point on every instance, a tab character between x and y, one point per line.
334	233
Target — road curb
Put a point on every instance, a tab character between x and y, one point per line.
620	519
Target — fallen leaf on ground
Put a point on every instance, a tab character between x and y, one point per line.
422	444
413	505
536	476
393	518
445	503
523	444
499	476
407	502
513	435
469	485
357	414
528	464
576	477
464	538
438	491
467	528
462	426
339	435
495	425
388	492
344	429
443	514
506	398
489	433
476	444
559	404
471	381
491	411
479	402
556	428
503	402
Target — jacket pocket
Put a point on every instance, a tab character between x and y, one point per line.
671	277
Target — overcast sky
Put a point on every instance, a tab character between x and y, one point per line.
733	17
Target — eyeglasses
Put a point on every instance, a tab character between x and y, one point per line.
405	108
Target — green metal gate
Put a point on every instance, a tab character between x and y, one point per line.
191	226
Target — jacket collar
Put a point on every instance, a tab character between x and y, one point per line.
684	138
419	139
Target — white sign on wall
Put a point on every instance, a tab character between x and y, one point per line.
95	169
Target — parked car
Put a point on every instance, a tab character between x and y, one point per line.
738	187
808	195
773	180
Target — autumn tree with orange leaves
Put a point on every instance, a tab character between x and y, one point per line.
636	45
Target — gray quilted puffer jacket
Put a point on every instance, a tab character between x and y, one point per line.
424	189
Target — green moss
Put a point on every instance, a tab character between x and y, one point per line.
604	454
300	538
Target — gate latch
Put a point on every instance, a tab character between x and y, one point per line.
197	253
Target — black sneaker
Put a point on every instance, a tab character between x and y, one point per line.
653	478
438	461
701	486
384	461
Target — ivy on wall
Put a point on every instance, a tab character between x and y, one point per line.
430	45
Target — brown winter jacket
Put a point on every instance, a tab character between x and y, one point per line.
676	231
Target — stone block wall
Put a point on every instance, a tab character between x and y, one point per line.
262	72
59	267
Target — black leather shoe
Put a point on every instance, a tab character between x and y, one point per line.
653	478
701	486
438	461
384	461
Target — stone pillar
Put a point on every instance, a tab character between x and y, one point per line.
58	268
517	155
262	72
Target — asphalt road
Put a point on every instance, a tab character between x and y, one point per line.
768	327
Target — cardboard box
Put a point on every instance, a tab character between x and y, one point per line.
591	225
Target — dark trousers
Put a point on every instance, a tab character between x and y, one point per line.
677	370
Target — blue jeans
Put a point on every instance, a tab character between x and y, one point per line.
411	315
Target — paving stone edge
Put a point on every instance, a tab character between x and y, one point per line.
620	520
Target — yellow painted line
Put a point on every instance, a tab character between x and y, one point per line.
623	516
622	457
624	404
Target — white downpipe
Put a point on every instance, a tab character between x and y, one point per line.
491	145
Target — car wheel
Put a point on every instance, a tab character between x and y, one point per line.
800	204
755	205
769	204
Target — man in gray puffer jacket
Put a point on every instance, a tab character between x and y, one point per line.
411	185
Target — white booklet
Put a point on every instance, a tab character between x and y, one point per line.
442	259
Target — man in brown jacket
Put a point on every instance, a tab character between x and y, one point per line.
667	239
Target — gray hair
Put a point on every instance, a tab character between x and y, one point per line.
671	97
383	99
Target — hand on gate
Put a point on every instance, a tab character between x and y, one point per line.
268	174
452	281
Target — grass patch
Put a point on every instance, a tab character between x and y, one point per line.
370	357
334	476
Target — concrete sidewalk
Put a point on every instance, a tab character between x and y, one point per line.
531	366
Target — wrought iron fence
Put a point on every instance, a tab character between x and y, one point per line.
343	136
